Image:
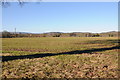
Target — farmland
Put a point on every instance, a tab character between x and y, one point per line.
60	57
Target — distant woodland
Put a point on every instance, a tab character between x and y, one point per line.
6	34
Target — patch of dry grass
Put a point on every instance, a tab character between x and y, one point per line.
99	64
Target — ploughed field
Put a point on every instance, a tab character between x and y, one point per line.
60	57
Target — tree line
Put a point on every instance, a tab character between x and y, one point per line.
6	34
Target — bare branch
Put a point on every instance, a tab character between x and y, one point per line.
6	3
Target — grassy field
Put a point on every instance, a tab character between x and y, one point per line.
57	57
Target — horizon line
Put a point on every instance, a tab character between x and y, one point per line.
63	31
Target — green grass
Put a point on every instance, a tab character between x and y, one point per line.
96	64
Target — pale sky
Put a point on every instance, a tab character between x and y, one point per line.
61	17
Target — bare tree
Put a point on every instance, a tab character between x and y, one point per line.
6	3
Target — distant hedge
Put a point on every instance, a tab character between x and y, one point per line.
6	34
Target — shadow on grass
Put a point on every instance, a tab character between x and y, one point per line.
117	41
8	58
